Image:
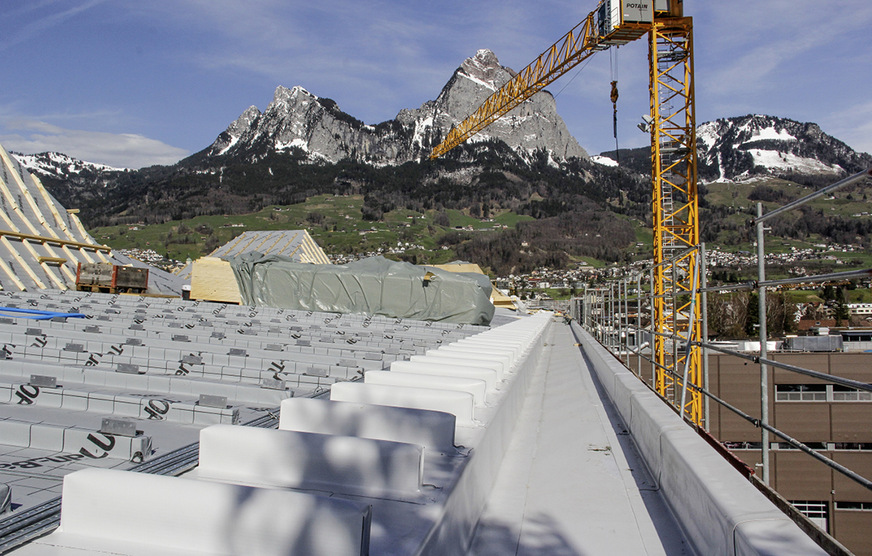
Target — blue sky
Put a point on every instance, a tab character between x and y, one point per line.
134	83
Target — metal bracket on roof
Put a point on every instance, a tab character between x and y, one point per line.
272	384
192	359
43	381
129	368
119	427
208	400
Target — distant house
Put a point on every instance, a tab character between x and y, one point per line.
806	325
860	309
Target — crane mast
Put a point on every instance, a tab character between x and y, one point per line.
676	309
675	209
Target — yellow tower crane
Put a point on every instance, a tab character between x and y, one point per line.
672	124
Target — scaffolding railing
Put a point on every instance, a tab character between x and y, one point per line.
607	313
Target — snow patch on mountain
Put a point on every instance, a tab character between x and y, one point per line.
295	143
776	160
771	133
604	160
707	134
485	84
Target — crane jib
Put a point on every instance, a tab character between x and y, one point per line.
672	124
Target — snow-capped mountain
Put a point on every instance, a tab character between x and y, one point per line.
756	145
299	120
759	146
58	164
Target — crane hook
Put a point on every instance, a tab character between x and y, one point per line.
614	97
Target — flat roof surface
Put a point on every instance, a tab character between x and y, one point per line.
149	360
572	482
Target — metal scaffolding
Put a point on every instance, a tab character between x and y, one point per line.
605	313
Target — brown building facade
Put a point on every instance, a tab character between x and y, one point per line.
832	419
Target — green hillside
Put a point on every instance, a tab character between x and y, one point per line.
594	235
335	222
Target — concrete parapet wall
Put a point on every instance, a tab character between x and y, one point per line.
719	510
487	375
474	386
305	460
434	430
446	358
459	404
116	512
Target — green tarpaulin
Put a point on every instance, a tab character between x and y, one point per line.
374	286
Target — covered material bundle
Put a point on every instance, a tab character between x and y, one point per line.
374	286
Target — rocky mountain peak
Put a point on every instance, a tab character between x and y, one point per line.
298	119
235	131
244	121
484	66
533	126
286	97
287	103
